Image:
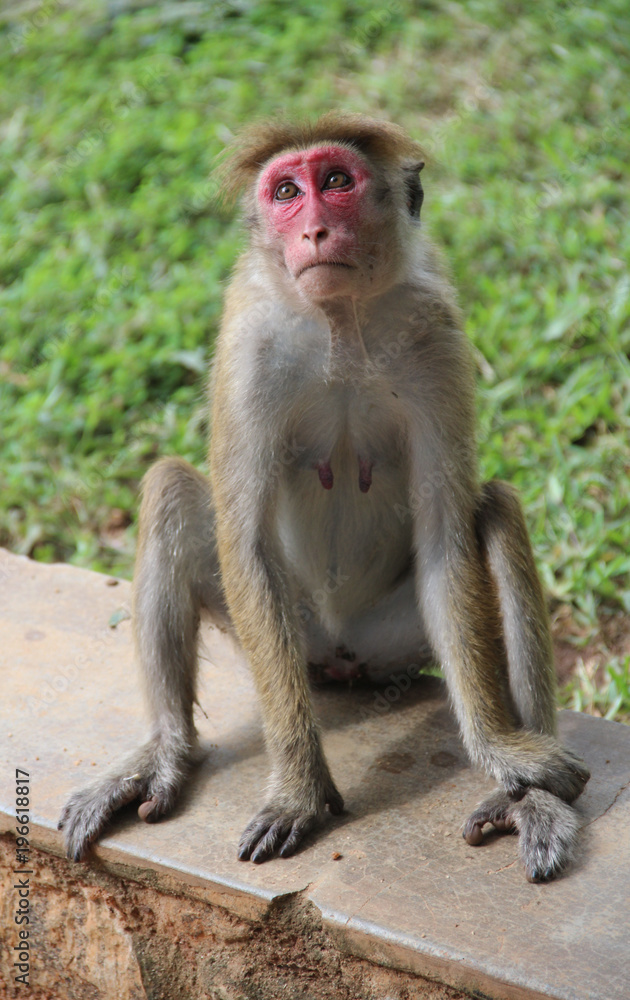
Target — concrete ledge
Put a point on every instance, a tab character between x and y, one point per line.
406	893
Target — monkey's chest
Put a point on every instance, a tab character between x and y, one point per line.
342	498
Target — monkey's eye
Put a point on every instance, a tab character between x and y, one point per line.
336	179
286	190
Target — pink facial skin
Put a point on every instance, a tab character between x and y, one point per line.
320	225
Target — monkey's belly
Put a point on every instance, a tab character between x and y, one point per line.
347	549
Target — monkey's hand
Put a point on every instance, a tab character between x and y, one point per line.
283	822
155	774
546	825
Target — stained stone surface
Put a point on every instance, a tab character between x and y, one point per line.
406	891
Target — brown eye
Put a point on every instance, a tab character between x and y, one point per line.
286	190
336	179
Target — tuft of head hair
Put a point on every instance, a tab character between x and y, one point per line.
260	142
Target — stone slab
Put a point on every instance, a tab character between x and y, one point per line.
407	891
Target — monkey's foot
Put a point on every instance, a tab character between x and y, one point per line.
280	830
546	825
154	774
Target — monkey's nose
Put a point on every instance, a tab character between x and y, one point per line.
315	234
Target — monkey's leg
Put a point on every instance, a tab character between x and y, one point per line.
176	573
547	826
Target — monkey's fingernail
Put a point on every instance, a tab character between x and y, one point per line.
145	810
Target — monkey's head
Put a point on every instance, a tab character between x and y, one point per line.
332	205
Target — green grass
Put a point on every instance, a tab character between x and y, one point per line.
604	692
113	256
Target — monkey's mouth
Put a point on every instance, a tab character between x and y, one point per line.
323	263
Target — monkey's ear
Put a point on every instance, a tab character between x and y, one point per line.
413	187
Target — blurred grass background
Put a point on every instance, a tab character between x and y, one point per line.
114	256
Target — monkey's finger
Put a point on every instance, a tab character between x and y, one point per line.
252	834
473	833
272	839
504	824
297	833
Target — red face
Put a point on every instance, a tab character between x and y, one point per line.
320	203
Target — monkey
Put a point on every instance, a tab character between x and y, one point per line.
343	447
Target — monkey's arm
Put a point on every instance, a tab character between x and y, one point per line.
468	573
460	609
262	608
176	573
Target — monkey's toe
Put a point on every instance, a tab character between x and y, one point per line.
158	800
473	833
495	810
147	810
